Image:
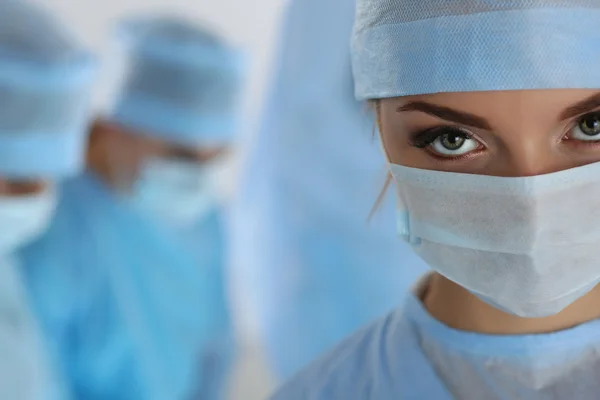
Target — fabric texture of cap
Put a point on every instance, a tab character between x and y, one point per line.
45	86
411	47
181	83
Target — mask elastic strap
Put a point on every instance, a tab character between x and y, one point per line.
402	215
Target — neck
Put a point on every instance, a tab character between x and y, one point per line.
458	308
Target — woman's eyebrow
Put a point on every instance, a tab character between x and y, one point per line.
446	113
582	107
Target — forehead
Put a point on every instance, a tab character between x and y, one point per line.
532	103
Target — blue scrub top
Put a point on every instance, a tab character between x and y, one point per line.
410	355
130	312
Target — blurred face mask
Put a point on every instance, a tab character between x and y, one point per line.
527	245
179	193
24	218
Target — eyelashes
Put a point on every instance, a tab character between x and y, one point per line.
447	142
426	138
450	142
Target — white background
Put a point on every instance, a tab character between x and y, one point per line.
249	24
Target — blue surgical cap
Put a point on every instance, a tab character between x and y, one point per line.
45	85
182	82
410	47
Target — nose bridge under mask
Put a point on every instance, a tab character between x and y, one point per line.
462	219
520	215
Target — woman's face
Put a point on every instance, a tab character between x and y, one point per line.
511	133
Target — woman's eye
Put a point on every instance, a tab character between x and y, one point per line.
446	141
453	144
587	128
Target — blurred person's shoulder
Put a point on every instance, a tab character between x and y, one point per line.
361	367
67	247
59	267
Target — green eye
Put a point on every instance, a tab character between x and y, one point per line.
452	141
454	144
446	141
588	128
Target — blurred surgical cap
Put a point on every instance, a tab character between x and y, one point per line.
410	47
182	82
45	87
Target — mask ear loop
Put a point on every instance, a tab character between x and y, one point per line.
402	215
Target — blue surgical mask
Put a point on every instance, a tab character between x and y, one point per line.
176	192
24	218
527	245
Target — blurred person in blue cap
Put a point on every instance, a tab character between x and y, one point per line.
314	264
45	87
150	320
489	114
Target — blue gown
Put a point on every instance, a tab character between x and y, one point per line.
131	313
26	371
409	355
314	268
